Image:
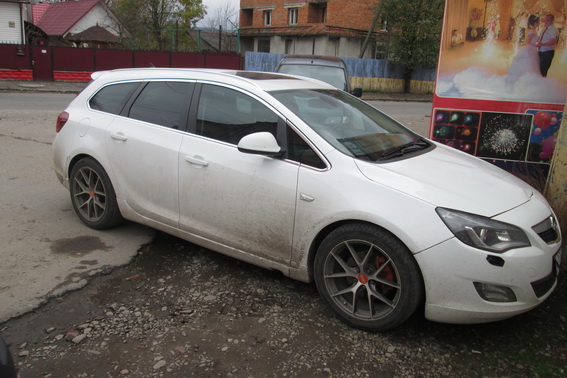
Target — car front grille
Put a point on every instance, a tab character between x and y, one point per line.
548	230
542	286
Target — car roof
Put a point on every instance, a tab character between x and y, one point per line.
265	81
313	59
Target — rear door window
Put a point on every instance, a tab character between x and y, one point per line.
163	103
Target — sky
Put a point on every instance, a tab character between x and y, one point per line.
212	4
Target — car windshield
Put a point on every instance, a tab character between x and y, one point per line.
350	125
331	75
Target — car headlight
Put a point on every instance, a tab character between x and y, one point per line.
482	232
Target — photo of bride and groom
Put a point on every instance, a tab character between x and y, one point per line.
539	50
513	50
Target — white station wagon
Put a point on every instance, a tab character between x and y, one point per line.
294	175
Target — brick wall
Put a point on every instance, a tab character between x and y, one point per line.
354	14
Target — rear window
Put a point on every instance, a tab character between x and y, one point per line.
111	99
332	75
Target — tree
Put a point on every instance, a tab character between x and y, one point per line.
414	33
224	21
153	24
225	16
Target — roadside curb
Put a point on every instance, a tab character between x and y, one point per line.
41	87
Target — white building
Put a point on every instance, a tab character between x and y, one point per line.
12	27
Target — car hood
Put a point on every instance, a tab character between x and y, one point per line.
449	178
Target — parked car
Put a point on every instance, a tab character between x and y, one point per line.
330	69
294	175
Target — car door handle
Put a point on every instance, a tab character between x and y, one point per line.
119	137
197	160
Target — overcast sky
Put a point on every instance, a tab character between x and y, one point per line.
212	5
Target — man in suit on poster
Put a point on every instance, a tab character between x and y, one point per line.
546	44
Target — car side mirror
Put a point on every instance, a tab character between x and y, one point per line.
261	143
357	92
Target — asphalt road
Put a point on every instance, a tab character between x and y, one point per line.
45	249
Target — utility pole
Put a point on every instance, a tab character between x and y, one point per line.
556	185
377	15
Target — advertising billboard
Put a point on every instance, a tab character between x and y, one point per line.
502	80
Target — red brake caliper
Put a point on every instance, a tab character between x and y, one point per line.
387	273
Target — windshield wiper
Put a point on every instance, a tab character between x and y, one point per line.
404	149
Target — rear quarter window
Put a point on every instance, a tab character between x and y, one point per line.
112	98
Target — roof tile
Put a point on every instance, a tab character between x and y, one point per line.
59	18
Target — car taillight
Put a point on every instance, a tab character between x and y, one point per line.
61	121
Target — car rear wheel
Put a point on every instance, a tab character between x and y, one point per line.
93	196
368	277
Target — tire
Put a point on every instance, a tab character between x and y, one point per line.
368	277
93	196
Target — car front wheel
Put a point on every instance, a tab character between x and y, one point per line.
368	277
93	196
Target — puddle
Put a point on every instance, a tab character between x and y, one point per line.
78	246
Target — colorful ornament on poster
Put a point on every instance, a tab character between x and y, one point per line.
543	120
548	146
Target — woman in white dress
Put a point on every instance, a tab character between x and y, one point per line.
526	60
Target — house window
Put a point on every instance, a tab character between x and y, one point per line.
264	45
247	17
293	12
317	13
268	18
381	50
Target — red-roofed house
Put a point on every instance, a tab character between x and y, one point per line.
38	11
81	23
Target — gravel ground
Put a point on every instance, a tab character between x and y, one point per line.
182	311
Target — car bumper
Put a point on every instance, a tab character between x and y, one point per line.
452	268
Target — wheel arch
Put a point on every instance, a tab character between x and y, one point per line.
77	158
333	226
